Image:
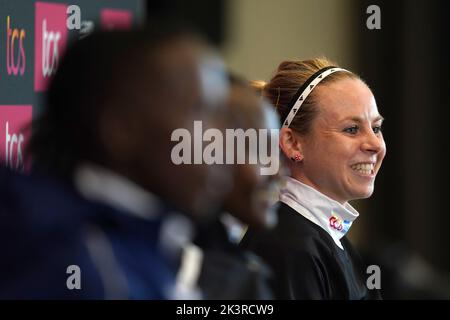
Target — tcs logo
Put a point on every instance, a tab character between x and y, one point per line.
15	62
339	224
50	41
13	135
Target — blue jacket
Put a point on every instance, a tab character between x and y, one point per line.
46	226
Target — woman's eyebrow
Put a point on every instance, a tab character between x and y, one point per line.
379	118
360	120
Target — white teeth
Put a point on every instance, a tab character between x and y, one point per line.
364	168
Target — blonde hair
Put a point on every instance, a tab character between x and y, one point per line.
289	77
258	86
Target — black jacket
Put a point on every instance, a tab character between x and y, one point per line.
228	271
306	262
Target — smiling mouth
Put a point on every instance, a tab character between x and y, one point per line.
364	169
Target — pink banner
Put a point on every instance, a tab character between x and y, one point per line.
50	41
14	135
115	19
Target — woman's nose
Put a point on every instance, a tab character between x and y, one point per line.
372	142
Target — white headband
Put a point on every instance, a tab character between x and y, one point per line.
305	90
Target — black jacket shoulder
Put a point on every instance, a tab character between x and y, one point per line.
306	262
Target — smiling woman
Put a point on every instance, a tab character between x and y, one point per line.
345	148
331	137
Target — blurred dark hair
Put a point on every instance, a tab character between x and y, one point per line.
94	71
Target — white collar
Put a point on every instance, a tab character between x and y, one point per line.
335	218
102	185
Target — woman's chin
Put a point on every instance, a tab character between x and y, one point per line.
363	194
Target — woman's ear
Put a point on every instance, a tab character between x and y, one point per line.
291	144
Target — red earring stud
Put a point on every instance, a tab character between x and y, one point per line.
297	158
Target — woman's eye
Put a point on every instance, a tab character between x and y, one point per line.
352	130
377	129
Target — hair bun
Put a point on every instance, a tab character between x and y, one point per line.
258	86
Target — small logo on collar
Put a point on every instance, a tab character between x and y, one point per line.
339	225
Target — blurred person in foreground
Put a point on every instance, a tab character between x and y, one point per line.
104	197
226	271
331	138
